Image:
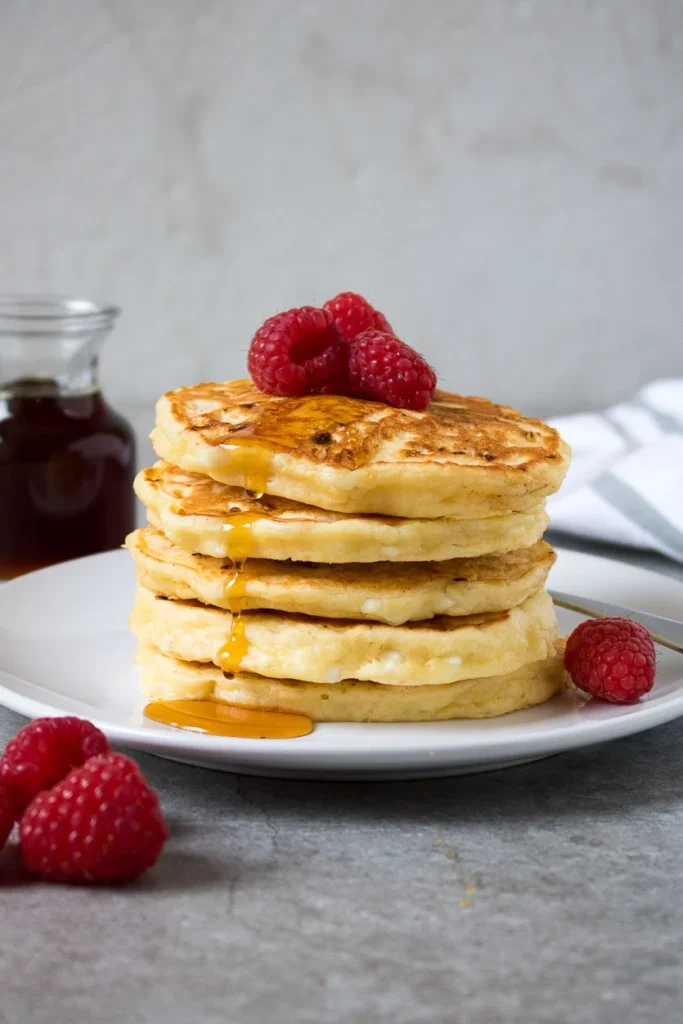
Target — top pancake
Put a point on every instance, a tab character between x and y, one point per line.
463	457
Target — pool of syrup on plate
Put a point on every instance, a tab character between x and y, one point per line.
217	718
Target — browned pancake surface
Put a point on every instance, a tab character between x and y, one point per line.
348	433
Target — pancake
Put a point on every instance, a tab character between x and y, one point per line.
202	515
385	591
317	650
167	678
463	457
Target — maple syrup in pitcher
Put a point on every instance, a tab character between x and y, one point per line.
67	460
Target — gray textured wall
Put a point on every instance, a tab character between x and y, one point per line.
504	179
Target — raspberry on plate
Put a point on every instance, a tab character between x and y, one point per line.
102	823
43	752
297	353
388	370
6	814
612	658
353	314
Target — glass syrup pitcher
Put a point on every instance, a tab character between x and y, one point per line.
67	460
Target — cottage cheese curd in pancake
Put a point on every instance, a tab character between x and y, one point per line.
167	678
463	457
201	515
288	646
392	592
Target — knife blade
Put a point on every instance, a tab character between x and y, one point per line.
667	632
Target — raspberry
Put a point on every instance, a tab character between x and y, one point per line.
611	658
353	314
297	352
43	752
102	823
6	814
386	369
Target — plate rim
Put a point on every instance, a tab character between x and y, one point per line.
532	739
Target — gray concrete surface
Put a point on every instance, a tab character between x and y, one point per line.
502	177
544	894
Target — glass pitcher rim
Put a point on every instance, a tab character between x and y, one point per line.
42	313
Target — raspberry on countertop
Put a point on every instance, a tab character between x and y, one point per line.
44	751
102	823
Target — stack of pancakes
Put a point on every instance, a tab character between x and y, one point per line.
344	559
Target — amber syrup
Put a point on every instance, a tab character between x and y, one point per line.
66	473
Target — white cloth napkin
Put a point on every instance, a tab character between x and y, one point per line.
625	484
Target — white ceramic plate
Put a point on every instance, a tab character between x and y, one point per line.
65	648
